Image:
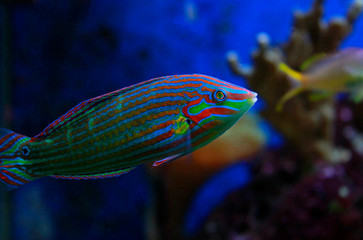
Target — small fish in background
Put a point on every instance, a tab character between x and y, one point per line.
157	120
339	72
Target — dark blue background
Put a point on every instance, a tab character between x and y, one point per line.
69	51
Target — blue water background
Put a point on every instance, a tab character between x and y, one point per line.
69	51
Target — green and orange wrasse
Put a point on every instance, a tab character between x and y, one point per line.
158	120
329	74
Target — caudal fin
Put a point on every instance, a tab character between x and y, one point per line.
11	163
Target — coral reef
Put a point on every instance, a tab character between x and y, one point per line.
308	126
280	203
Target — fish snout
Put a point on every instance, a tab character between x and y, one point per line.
245	100
252	97
245	95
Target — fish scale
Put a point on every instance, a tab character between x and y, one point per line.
111	134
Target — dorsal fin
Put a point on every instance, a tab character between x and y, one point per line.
330	60
312	61
74	113
84	107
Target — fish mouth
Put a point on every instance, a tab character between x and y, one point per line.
248	103
252	98
252	94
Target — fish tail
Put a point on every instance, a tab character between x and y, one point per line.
12	169
291	72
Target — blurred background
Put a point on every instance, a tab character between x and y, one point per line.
251	184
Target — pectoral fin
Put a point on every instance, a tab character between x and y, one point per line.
168	159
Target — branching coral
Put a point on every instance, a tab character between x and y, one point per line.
307	125
282	201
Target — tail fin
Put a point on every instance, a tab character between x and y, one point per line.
11	163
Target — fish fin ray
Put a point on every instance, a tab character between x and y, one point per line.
86	106
95	176
293	92
291	72
330	60
312	61
75	112
166	160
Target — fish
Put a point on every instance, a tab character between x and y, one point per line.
158	120
336	73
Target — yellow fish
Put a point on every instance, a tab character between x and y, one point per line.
339	72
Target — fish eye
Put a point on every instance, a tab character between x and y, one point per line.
219	95
188	121
25	151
